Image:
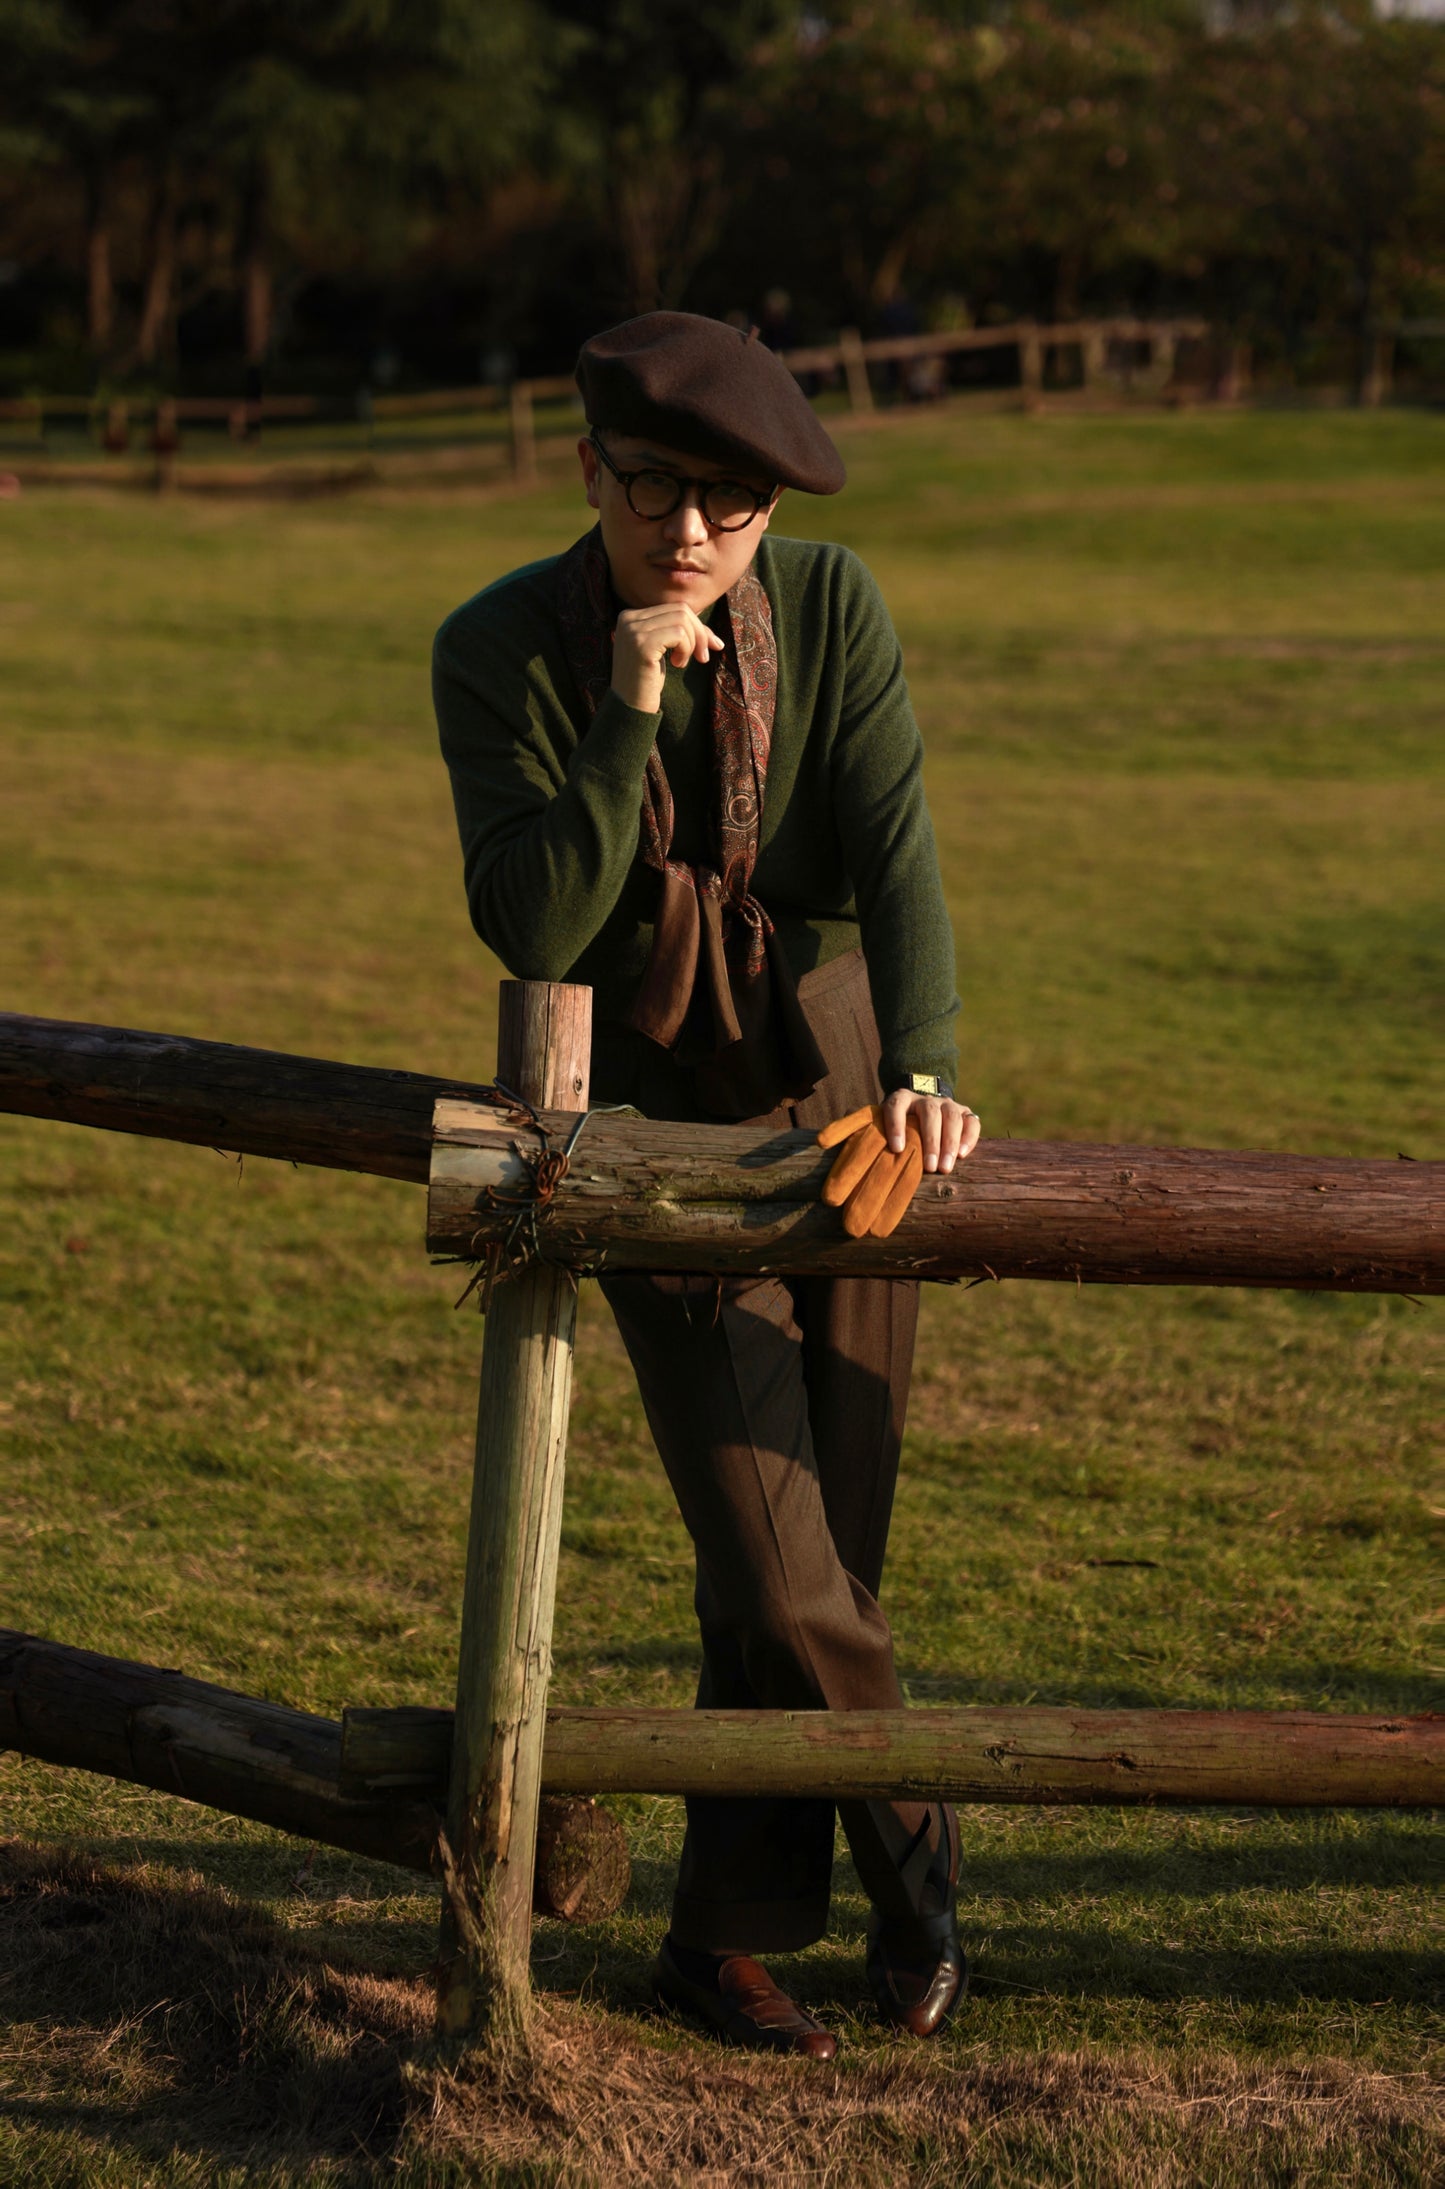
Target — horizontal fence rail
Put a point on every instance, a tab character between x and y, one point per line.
261	1760
645	1195
212	1094
640	1194
1033	1753
182	1736
373	1784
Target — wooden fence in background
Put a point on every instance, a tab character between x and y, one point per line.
1139	353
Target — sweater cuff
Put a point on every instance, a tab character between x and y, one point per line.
618	740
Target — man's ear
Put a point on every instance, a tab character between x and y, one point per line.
590	469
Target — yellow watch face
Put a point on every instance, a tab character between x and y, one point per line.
923	1082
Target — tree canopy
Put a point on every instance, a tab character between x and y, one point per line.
437	190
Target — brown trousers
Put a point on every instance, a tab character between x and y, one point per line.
777	1408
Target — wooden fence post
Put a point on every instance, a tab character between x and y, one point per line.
855	367
1162	345
483	1985
1031	359
524	443
1378	376
1234	377
165	440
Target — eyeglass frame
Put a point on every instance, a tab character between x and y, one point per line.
763	497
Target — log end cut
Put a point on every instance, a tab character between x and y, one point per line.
583	1867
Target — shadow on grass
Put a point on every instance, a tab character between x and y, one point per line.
1386	1852
1103	1961
925	1687
166	2018
153	2029
677	1654
1357	1687
272	1869
1350	1688
1097	1965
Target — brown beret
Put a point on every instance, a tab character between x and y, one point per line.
713	390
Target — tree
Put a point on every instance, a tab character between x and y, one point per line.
275	136
1307	147
1080	193
77	107
644	122
864	139
537	164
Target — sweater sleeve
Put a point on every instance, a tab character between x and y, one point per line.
548	834
888	846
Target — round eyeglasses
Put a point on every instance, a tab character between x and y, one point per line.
728	505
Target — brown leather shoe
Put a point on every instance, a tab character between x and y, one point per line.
918	1975
743	2005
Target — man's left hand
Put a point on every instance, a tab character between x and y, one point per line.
947	1130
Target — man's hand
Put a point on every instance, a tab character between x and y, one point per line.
947	1130
646	640
883	1151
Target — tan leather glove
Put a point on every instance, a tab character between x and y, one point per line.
871	1184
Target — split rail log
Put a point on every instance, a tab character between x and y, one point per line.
668	1196
262	1760
212	1094
371	1784
1034	1752
640	1194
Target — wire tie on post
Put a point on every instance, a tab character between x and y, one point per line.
497	1259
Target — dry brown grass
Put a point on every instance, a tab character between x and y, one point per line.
177	2036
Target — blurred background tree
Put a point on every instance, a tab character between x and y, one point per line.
435	190
861	148
1305	146
644	110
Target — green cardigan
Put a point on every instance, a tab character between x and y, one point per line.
548	806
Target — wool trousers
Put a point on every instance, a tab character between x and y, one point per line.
777	1409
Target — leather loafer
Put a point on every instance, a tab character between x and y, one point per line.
743	2005
918	1995
918	1974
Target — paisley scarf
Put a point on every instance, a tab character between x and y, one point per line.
717	990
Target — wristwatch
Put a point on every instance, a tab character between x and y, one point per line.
928	1083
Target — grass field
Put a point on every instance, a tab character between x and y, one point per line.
1181	683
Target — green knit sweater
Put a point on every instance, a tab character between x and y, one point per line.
548	806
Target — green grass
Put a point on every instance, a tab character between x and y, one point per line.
1180	679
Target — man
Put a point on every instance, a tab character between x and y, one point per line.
686	772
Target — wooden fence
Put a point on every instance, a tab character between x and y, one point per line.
1378	381
505	1194
1147	352
1141	354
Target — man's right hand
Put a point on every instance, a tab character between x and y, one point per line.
646	640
